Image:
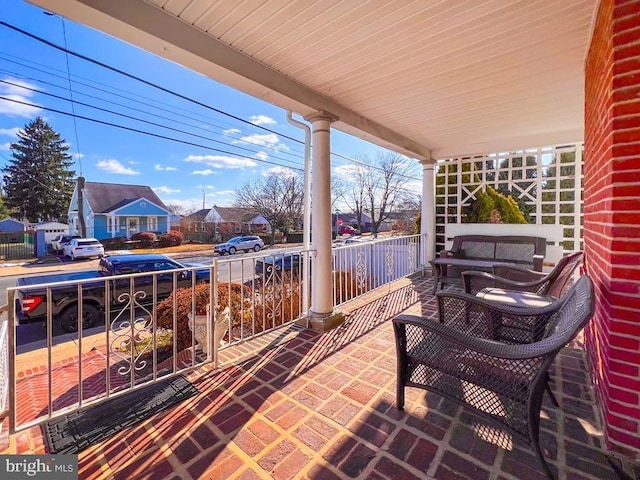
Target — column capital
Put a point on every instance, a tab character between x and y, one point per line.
321	115
427	162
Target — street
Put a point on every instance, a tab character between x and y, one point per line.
236	269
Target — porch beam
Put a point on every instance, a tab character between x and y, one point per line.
150	28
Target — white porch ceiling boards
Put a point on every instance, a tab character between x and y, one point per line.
423	77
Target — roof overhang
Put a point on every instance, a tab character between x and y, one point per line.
429	79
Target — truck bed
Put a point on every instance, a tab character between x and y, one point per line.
57	277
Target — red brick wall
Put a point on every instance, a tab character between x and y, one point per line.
612	218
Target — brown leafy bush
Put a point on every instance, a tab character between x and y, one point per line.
278	301
116	243
172	239
238	294
146	239
347	287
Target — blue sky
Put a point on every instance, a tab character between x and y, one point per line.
227	154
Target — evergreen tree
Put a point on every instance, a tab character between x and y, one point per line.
4	211
38	182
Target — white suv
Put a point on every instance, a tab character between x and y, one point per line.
246	243
84	248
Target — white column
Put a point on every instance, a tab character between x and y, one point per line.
321	314
428	214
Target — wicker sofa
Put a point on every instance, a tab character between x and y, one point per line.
523	251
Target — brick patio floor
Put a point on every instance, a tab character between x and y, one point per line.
295	404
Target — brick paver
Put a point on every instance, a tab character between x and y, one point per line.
295	404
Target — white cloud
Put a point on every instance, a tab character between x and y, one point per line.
348	172
19	94
280	171
231	131
77	155
10	132
206	172
262	120
261	155
164	169
114	166
133	162
189	204
224	193
165	189
270	140
220	161
5	146
415	187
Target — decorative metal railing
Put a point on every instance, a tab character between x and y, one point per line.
133	330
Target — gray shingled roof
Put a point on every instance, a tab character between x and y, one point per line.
198	216
236	214
105	197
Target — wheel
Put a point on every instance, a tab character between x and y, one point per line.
232	250
256	248
69	318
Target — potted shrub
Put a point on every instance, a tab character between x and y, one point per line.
184	307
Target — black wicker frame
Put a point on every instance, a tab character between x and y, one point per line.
554	283
462	359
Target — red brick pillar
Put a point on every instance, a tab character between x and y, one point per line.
612	218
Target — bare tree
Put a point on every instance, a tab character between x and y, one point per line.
377	185
277	197
177	209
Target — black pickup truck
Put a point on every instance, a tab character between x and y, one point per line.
31	301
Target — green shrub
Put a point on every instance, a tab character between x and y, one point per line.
493	206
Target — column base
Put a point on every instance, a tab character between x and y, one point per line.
323	322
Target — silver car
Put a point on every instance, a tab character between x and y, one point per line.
246	243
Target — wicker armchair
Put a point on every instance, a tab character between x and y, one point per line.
459	358
554	283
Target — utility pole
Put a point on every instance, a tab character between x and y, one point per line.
81	224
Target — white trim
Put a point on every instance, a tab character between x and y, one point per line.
144	199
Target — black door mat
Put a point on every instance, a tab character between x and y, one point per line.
79	430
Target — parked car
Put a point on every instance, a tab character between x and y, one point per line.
58	243
246	243
31	303
348	230
84	248
288	262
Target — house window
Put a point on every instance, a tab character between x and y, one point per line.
152	224
204	227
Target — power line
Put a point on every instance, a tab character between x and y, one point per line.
136	119
143	132
75	126
178	95
140	79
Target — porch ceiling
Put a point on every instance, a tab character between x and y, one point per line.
427	78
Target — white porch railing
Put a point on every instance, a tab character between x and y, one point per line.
146	338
